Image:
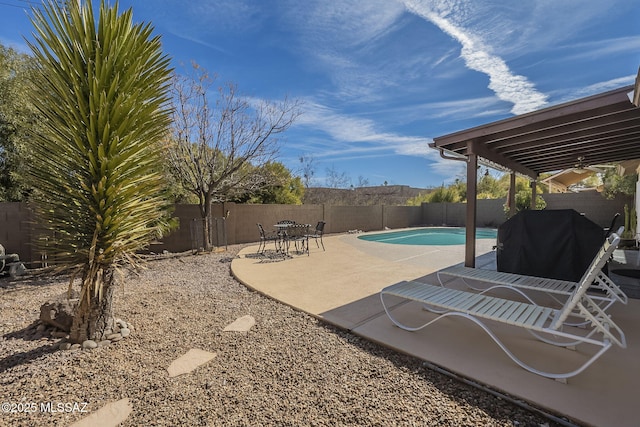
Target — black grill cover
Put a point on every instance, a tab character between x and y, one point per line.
558	244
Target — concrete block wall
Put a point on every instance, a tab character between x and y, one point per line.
16	230
436	213
490	213
242	220
181	239
592	205
401	216
344	218
239	226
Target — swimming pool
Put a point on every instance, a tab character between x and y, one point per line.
434	236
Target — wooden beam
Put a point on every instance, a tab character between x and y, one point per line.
481	150
572	107
636	91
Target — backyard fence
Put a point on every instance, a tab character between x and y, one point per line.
236	223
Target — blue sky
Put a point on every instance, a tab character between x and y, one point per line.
380	78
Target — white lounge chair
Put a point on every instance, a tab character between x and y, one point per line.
545	323
607	294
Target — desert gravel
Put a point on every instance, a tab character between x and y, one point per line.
288	370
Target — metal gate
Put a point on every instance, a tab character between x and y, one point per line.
217	233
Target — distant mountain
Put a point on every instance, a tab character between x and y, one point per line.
362	196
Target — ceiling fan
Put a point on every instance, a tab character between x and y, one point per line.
581	167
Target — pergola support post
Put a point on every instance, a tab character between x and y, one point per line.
534	191
472	188
512	194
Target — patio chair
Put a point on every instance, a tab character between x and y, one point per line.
606	291
267	237
298	234
317	233
547	324
609	229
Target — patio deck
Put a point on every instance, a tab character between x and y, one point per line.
341	286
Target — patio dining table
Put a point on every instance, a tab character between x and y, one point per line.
292	232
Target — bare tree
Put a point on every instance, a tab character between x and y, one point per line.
308	169
337	179
218	149
362	182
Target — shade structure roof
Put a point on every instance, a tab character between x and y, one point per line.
568	177
598	129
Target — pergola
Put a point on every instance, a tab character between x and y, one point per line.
599	129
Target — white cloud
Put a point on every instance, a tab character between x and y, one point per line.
550	22
462	109
506	85
450	169
220	16
344	40
199	41
602	48
599	87
357	137
326	24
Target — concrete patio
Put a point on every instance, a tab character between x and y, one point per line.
341	286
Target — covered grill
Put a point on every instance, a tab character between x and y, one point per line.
558	244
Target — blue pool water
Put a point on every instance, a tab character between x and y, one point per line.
438	236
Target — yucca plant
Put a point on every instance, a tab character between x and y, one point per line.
101	88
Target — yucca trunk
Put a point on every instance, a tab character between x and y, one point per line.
94	316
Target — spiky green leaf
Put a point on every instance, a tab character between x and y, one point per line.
102	88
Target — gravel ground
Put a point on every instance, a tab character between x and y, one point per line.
288	370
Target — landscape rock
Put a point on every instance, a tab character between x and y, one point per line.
58	314
292	370
241	324
89	344
114	337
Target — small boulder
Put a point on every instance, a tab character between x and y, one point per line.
58	313
89	344
65	346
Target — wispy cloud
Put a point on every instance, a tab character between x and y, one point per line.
216	16
197	40
339	23
507	86
603	48
598	88
353	136
549	23
345	41
462	109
